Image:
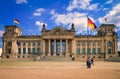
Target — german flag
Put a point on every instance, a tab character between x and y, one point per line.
16	21
91	24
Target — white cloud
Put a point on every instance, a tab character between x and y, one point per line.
79	19
78	4
52	11
38	12
105	9
1	33
39	24
113	16
93	6
21	1
109	1
82	5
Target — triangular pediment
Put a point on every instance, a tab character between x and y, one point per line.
57	31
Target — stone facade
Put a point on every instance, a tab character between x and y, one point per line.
59	41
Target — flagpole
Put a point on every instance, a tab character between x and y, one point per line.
87	38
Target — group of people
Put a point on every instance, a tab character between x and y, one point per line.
89	61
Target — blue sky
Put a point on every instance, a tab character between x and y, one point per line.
33	13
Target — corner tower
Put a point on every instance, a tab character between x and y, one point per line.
9	41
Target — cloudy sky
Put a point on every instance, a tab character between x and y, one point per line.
33	13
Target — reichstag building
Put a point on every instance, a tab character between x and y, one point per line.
59	41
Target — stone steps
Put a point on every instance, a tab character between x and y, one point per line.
56	58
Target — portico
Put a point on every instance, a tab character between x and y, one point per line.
57	47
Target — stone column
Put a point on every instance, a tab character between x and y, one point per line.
21	46
60	46
66	46
73	46
26	48
116	47
49	48
44	47
54	46
3	47
95	46
102	46
12	48
113	49
86	47
31	47
106	47
91	47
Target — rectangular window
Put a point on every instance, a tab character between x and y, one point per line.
33	43
98	43
29	51
109	51
88	43
83	44
77	43
24	50
38	43
93	43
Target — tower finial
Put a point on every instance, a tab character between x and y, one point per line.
72	27
105	19
43	28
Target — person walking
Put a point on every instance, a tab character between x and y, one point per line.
92	61
88	62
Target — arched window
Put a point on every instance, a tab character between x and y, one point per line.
88	50
78	51
38	51
29	50
9	43
34	50
24	50
98	50
93	50
83	50
19	50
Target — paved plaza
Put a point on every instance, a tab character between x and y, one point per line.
59	70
